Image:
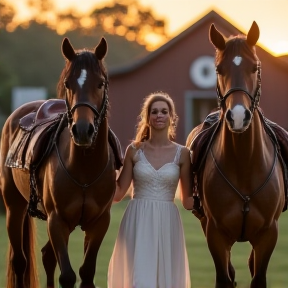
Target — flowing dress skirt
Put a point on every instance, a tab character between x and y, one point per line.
150	249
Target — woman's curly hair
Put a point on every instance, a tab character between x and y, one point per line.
143	129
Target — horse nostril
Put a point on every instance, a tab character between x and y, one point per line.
90	130
247	115
229	116
82	132
74	130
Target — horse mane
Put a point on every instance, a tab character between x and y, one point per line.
236	45
85	59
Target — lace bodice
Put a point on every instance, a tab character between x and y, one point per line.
160	184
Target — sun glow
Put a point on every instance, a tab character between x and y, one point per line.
279	48
179	16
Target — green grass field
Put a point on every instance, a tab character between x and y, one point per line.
201	265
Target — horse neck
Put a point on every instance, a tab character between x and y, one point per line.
252	144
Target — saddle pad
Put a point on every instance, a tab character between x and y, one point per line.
16	154
29	147
202	139
33	140
117	149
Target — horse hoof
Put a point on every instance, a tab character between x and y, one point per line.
235	284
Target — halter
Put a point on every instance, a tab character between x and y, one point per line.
98	116
254	99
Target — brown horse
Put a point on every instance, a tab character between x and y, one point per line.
75	181
240	183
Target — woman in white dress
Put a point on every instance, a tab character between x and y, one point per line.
150	249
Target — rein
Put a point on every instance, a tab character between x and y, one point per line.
246	198
83	186
97	122
34	198
254	105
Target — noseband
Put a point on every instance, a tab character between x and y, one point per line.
98	116
254	99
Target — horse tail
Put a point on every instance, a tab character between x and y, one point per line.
29	243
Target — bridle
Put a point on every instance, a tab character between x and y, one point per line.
254	105
254	99
98	116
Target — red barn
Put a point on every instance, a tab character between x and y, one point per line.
184	68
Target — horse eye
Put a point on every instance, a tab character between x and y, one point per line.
218	70
66	84
101	84
255	68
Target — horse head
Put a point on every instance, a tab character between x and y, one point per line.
84	84
238	76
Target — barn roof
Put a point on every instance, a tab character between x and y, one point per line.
284	58
209	17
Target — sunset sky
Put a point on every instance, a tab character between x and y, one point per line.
270	15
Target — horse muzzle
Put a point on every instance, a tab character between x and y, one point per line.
238	119
82	133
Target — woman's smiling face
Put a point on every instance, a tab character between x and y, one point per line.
159	117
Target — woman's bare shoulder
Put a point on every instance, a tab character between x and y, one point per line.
133	148
184	153
182	147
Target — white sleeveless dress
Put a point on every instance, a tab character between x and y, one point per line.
150	249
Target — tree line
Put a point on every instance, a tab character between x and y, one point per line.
30	52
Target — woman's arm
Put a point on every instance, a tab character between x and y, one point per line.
185	181
124	180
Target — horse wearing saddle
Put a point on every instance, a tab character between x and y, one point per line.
35	139
202	139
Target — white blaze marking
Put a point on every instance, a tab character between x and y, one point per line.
237	60
82	77
238	115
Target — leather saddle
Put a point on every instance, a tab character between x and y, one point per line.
34	138
36	135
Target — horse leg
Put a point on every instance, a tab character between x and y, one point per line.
49	262
263	249
94	236
251	263
21	266
220	251
59	235
21	269
17	261
231	271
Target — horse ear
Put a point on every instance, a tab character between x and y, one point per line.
68	50
253	34
216	38
101	49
